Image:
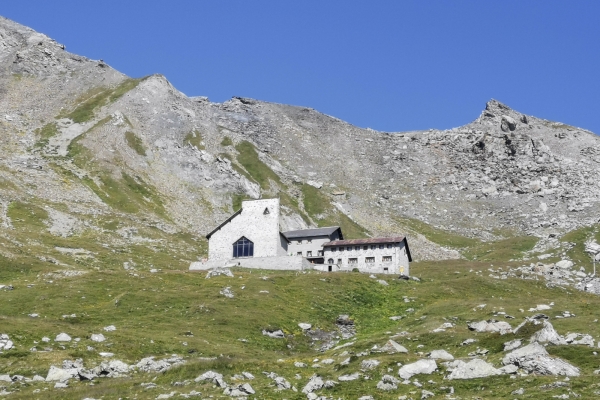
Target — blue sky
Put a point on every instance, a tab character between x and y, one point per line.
388	65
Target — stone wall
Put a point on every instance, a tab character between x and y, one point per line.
257	226
282	263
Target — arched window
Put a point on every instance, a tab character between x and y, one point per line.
243	248
330	261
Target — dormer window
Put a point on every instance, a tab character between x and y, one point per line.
266	211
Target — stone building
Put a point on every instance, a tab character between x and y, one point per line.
251	238
309	243
374	255
252	231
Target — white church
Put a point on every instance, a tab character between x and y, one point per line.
251	238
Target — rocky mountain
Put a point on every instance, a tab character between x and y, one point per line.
87	152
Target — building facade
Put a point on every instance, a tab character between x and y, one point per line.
251	238
374	255
252	231
309	243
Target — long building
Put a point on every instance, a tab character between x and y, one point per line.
251	237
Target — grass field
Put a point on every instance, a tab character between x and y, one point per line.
177	312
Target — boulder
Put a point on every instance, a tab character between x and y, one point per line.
62	337
97	337
277	334
349	377
564	264
392	347
508	123
513	344
369	364
534	358
239	391
548	335
441	355
315	383
416	368
476	368
59	374
213	377
491	326
387	383
304	326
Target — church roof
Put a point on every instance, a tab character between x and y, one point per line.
235	214
302	233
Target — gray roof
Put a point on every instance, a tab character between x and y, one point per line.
327	231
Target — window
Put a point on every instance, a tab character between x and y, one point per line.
365	247
353	261
320	253
300	241
373	247
341	248
309	254
386	259
339	261
308	240
333	249
356	248
369	260
299	253
330	261
381	246
389	246
349	248
243	248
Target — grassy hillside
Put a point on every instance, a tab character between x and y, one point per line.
176	312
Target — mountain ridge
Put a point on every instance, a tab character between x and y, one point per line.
142	149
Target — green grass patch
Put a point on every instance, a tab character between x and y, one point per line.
226	141
135	143
27	215
579	237
438	236
350	228
194	138
97	98
259	171
501	250
45	133
315	202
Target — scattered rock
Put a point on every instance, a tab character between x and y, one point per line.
5	342
242	390
476	368
304	326
62	337
349	377
276	334
491	326
419	367
97	337
369	364
392	347
219	271
548	335
534	358
388	383
110	328
513	344
213	377
441	355
227	292
315	383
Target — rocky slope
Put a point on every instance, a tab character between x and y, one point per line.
86	144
